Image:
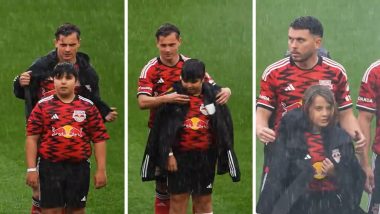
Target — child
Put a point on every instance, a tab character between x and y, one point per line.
314	169
60	130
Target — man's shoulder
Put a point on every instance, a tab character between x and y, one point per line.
276	67
373	69
149	67
83	56
333	65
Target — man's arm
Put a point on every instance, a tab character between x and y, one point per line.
31	157
350	124
100	177
263	132
148	102
365	119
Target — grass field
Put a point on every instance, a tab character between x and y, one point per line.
350	35
219	32
27	32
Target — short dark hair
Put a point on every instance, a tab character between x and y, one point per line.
320	90
308	23
193	70
67	29
64	68
166	29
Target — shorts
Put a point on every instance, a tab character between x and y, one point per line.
64	184
374	199
196	172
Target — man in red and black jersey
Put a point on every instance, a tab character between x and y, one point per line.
284	82
37	82
368	105
60	130
156	78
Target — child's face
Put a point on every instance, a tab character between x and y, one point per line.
64	85
193	88
320	112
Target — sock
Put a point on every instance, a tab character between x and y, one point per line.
35	206
162	203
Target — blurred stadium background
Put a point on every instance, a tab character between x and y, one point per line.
350	34
219	32
27	33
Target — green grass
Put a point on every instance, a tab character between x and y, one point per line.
219	32
350	35
27	32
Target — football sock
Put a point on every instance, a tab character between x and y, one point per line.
35	206
162	203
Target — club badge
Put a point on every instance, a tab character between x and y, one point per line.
336	155
79	115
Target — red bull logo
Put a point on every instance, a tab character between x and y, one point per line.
66	131
195	123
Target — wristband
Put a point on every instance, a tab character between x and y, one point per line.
31	169
171	154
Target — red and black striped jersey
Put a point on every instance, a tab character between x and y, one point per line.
196	131
157	78
316	150
283	84
66	129
369	98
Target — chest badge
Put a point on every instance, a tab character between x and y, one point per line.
79	115
336	155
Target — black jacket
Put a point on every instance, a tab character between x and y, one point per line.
42	68
290	171
168	124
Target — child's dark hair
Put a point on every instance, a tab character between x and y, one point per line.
193	70
64	68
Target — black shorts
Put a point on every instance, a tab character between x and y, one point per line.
196	173
64	184
374	200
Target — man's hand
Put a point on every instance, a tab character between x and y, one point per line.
32	179
176	98
172	164
327	167
24	79
223	96
360	141
370	179
112	115
265	134
100	179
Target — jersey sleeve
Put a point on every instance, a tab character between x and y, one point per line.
146	79
267	96
342	95
209	79
97	129
367	93
34	125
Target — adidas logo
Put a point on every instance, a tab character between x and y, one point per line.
83	199
160	80
290	88
209	186
307	157
55	117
